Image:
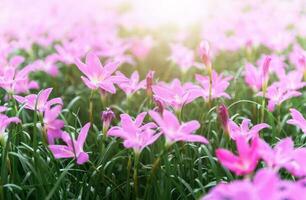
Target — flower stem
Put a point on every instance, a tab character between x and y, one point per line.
135	175
90	109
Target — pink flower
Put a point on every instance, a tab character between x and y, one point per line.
235	131
98	76
266	184
219	85
174	131
134	134
297	120
256	78
175	94
284	155
278	157
246	160
298	58
182	56
277	94
141	47
53	125
73	148
291	81
16	81
223	116
5	121
39	102
132	85
48	65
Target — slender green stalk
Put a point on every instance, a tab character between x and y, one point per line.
135	175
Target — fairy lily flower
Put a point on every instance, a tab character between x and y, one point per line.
48	65
52	125
278	156
266	184
291	81
131	85
134	133
175	94
38	101
107	116
284	155
16	81
98	76
246	160
235	131
5	121
174	131
149	82
142	47
257	78
297	119
277	95
204	52
182	56
73	148
218	87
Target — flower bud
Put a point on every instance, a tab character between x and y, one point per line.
107	116
223	116
204	52
149	80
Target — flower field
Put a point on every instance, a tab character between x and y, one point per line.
141	99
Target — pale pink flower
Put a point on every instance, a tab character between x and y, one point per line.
246	160
134	133
266	184
277	95
141	47
182	56
218	87
98	76
243	130
52	125
298	58
278	156
73	148
5	121
175	94
16	81
291	81
297	119
276	65
284	155
175	131
39	101
256	78
48	65
132	84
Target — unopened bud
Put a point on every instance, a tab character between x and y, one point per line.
149	81
223	116
107	116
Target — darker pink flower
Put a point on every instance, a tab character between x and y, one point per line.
73	148
98	76
134	133
246	160
297	119
38	101
174	131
